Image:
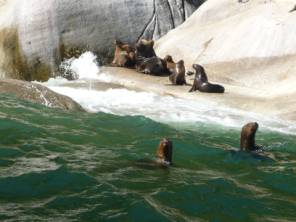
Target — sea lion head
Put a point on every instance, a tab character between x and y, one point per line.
248	134
145	49
180	64
164	151
117	42
168	58
200	73
198	68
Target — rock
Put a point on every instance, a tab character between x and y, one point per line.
35	35
249	45
38	94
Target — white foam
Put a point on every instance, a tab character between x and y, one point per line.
165	109
85	67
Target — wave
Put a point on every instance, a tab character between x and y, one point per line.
165	109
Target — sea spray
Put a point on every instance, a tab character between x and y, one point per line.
84	67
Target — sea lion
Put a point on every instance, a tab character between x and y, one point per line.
164	152
144	48
247	140
201	82
124	55
146	60
169	63
293	9
178	75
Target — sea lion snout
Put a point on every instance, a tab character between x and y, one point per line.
196	66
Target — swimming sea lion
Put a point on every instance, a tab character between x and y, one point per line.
124	55
164	152
178	75
247	140
201	82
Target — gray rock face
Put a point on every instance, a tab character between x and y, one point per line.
49	31
38	94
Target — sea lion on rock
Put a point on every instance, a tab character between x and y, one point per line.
144	48
178	75
151	66
248	133
124	55
293	9
169	63
146	60
201	82
164	152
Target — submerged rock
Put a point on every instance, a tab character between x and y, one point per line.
38	94
36	35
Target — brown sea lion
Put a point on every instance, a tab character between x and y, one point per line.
247	140
169	63
146	60
124	55
164	152
201	82
178	75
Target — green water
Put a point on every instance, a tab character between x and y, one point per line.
61	166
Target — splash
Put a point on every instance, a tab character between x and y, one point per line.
84	67
165	109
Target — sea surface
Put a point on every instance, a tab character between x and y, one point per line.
100	165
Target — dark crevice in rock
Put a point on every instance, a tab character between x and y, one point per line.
150	21
154	28
183	10
171	13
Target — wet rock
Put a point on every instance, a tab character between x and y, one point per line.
38	94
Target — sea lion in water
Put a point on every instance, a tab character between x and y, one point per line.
124	55
164	152
178	75
247	140
201	82
146	60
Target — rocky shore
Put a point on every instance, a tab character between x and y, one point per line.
38	94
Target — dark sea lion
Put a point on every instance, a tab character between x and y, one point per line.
146	60
247	140
201	82
178	75
144	48
151	66
124	55
164	152
293	9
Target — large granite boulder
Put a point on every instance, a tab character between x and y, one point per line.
38	94
247	43
250	45
35	35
